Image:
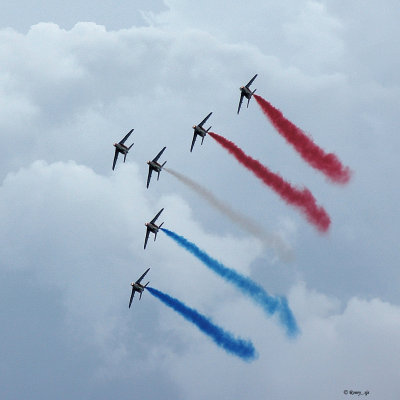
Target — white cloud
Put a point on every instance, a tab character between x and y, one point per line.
339	348
83	233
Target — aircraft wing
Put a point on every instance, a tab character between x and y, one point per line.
158	214
138	281
126	137
115	158
149	176
194	140
240	101
132	295
251	80
155	159
204	120
147	237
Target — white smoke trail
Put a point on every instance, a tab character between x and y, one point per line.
270	240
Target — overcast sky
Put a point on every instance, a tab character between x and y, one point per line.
74	78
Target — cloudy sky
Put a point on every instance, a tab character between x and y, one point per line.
74	78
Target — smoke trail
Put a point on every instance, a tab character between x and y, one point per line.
302	199
269	304
270	240
241	348
327	163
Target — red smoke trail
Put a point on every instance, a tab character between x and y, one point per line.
328	164
303	199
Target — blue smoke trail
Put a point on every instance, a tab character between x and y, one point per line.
241	348
246	285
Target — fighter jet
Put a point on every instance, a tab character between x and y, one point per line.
152	227
138	287
246	92
121	148
155	166
199	130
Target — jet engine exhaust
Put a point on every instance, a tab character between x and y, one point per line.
270	240
239	347
270	304
327	163
302	199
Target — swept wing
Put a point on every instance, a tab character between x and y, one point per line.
149	176
240	101
155	159
126	137
251	81
147	237
132	296
115	158
204	120
194	140
144	274
155	218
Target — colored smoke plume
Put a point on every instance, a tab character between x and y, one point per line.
271	240
239	347
302	199
269	304
327	163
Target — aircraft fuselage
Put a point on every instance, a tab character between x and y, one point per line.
155	166
121	148
200	130
246	92
138	287
151	227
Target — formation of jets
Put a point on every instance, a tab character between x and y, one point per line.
154	165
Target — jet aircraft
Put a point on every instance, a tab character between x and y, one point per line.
152	227
138	287
199	130
155	166
246	92
121	148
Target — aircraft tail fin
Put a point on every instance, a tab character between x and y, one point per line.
140	296
248	101
158	175
124	157
202	140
